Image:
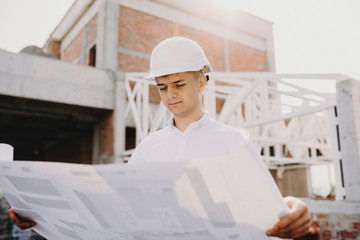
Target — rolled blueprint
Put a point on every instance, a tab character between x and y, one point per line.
6	152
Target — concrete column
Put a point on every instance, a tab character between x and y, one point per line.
348	108
270	53
226	55
119	117
84	45
107	58
96	144
107	36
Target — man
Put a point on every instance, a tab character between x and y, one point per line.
179	67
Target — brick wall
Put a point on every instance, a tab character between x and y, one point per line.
139	33
53	48
74	49
210	43
91	31
336	226
90	37
78	150
293	182
246	59
334	220
106	138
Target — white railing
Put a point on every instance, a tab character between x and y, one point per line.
264	104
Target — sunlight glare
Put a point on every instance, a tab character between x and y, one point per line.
228	5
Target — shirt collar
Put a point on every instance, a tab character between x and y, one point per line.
194	125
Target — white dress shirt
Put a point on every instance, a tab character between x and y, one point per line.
202	139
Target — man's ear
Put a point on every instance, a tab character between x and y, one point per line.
202	83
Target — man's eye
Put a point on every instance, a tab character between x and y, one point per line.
180	85
163	89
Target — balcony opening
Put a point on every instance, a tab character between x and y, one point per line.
92	56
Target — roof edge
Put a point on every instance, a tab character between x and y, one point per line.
71	17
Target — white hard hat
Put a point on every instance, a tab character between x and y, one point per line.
175	55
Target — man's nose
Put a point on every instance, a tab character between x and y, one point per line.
172	93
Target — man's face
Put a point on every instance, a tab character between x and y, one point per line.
181	92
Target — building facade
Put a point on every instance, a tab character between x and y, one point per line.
120	35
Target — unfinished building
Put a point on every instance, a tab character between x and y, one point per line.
91	105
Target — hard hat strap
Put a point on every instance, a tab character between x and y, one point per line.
205	69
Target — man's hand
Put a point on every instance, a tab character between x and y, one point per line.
22	224
295	224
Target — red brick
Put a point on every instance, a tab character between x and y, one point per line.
87	58
326	234
140	31
86	150
91	31
315	224
321	216
212	45
246	59
356	225
349	234
127	63
310	236
219	104
77	150
107	135
54	48
154	96
74	49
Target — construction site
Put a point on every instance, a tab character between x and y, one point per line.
83	98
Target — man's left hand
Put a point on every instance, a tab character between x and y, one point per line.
294	224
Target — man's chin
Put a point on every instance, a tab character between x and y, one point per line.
178	113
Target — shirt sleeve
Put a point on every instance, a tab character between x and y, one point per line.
242	140
136	156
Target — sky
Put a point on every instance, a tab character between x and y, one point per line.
310	36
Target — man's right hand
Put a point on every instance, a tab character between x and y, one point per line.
22	224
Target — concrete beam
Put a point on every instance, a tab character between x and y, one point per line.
348	109
40	78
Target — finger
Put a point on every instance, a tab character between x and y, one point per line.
293	216
24	225
293	234
12	215
15	219
271	231
300	224
300	234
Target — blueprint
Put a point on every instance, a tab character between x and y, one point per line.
229	197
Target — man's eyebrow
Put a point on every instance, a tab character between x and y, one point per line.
178	81
162	84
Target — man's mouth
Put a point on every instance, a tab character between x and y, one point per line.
174	103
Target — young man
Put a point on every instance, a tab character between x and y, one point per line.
178	66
